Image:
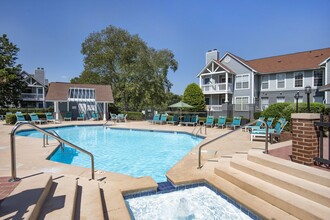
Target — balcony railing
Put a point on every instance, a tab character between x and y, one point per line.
32	96
214	108
217	87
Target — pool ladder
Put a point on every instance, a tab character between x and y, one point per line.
52	134
45	139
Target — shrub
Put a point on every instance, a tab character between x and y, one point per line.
11	119
257	115
26	110
193	95
136	116
275	110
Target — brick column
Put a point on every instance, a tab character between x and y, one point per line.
305	140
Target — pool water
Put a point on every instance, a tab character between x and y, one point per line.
194	203
133	152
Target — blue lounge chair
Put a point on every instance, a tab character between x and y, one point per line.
236	122
67	116
193	121
174	120
262	132
162	119
50	118
95	116
209	121
113	117
155	119
121	117
221	121
186	120
81	116
256	126
35	119
20	118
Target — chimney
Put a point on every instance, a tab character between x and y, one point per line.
212	54
39	74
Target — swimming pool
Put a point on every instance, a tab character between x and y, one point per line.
133	152
202	202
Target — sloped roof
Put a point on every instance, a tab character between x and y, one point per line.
289	62
59	91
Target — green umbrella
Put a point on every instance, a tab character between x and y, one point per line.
180	105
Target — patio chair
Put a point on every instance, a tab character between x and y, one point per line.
221	121
186	120
256	126
155	119
113	117
162	119
193	121
81	116
120	117
95	116
20	118
50	118
236	122
35	119
209	121
275	132
174	120
67	116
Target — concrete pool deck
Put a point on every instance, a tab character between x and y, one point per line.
31	161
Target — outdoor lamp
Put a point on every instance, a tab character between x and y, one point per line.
296	96
308	91
209	110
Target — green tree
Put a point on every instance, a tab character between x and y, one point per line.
136	72
11	79
193	95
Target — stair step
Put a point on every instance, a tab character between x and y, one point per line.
113	203
307	189
88	202
260	207
60	203
289	167
26	200
289	202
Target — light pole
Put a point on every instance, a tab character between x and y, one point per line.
296	96
209	110
308	91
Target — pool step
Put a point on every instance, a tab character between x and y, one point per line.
26	200
88	202
304	172
259	206
275	188
307	189
61	200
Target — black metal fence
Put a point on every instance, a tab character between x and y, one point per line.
321	160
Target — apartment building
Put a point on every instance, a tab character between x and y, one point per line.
233	86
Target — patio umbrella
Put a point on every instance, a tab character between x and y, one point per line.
180	105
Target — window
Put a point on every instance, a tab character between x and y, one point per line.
81	94
318	78
298	79
242	103
40	91
280	80
206	81
265	82
280	99
242	81
264	103
207	100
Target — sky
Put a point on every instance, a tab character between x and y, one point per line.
50	33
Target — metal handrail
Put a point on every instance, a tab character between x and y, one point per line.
13	148
219	137
57	135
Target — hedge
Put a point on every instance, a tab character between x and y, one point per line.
135	116
26	110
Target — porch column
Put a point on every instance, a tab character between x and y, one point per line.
226	94
104	111
56	110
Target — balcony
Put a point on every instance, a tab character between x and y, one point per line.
214	108
32	97
217	88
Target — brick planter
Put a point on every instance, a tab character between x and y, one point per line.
305	141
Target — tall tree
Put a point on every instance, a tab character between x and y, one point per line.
136	72
11	79
193	95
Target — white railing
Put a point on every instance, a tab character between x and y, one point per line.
214	107
32	96
217	87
